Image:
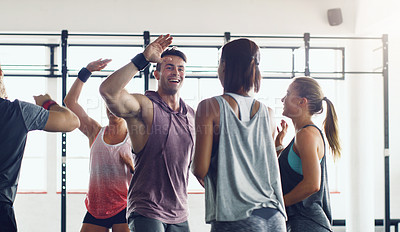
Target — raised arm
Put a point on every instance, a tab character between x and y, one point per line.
118	100
88	126
61	119
279	138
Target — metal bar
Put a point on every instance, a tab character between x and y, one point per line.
330	48
344	37
197	36
355	72
377	222
146	71
281	47
386	87
52	61
108	35
227	37
31	75
293	60
268	37
29	44
386	128
307	53
31	34
64	71
343	63
192	36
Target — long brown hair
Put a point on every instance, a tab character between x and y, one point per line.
309	88
241	57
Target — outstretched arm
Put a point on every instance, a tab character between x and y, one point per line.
118	100
61	119
88	126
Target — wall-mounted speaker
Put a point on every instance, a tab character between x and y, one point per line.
335	16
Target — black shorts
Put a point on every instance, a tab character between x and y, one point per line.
108	222
7	218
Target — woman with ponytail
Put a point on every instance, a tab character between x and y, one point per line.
303	162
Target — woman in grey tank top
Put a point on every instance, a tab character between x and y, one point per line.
238	166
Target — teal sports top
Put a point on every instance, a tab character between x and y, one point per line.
295	161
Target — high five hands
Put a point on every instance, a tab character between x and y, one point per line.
153	51
98	64
281	133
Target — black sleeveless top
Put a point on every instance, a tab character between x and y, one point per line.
317	206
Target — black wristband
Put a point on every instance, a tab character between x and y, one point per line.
84	74
140	61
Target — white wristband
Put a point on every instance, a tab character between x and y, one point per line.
279	148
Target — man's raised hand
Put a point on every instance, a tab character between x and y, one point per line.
153	51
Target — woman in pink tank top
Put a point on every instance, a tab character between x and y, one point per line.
111	162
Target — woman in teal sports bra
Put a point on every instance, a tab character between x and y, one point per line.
303	163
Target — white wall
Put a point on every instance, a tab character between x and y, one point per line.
272	17
177	16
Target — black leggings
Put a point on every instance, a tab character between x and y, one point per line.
7	218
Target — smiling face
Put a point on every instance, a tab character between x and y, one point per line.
171	74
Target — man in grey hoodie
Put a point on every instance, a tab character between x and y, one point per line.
161	127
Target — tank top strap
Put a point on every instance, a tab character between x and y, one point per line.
245	105
320	132
99	135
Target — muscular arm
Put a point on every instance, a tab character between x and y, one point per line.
118	100
306	145
205	118
60	119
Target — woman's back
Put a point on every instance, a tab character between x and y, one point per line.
243	173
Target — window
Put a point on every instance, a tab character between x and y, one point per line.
27	69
